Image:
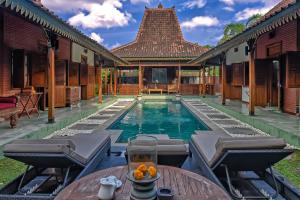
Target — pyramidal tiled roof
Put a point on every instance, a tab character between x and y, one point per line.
159	36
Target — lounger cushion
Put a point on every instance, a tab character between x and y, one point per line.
205	143
80	148
165	146
246	143
213	146
87	145
40	146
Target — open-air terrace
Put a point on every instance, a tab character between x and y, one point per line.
156	118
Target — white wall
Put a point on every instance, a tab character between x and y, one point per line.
237	57
78	50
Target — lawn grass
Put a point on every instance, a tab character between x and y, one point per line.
9	169
290	168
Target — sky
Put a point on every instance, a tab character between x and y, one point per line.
116	22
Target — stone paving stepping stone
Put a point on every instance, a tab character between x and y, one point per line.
113	110
227	122
217	116
241	130
210	111
70	132
99	117
92	121
83	126
108	112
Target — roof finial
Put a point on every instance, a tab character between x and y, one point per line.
160	5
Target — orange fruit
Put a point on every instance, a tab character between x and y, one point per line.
152	171
138	175
142	168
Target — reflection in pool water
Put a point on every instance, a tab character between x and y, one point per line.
153	117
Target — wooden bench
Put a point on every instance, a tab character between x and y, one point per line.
9	109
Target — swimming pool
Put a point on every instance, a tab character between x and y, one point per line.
158	117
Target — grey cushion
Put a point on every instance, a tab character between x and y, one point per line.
40	146
246	143
87	145
81	147
164	146
205	143
212	147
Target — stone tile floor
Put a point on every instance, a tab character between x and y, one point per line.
38	127
269	120
89	124
229	125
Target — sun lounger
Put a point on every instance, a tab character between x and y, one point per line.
243	166
53	163
172	152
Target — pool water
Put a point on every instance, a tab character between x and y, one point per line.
158	117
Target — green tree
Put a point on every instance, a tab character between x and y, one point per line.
252	20
232	30
208	46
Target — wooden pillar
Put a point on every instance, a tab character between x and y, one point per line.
105	81
115	81
252	84
51	85
204	82
2	50
200	82
140	79
223	68
111	81
100	98
179	79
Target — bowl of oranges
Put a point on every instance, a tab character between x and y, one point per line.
143	173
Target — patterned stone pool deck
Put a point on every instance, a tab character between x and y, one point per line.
267	120
89	116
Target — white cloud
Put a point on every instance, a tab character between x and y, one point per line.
96	37
265	2
248	12
92	13
228	8
200	21
228	2
195	3
115	45
140	1
102	15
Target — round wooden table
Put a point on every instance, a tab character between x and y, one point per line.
186	185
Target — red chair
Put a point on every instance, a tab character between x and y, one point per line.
9	109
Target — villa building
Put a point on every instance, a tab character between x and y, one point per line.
158	57
265	58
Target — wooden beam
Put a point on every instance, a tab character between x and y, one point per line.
115	81
100	97
179	79
204	82
105	81
200	82
252	83
140	79
223	68
111	81
51	85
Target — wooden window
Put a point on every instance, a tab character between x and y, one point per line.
236	49
20	69
274	50
60	72
159	75
237	74
293	70
74	74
